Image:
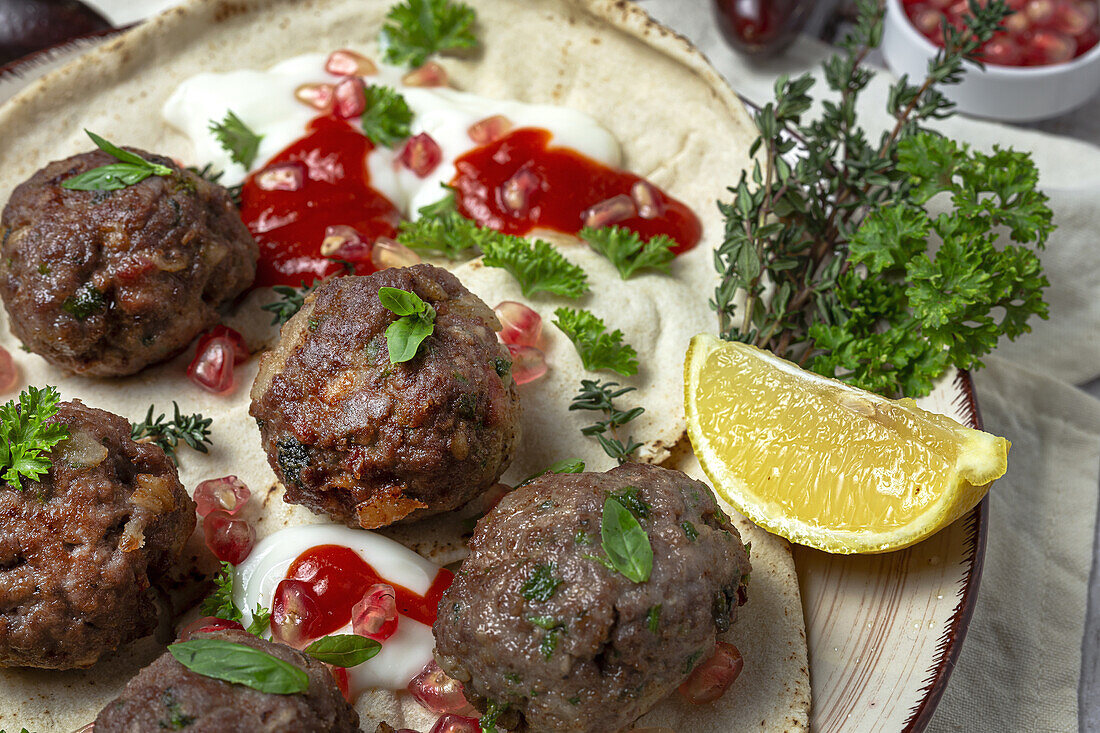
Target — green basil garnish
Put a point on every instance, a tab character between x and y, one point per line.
131	169
241	665
417	322
625	542
568	465
343	650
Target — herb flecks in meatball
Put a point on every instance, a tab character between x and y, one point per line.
105	283
80	549
540	624
168	696
369	442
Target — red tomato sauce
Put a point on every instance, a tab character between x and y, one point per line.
289	225
338	577
561	185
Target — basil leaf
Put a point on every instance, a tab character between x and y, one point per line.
404	336
108	177
343	650
126	156
625	542
241	665
401	302
568	465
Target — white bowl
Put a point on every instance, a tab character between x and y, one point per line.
1014	93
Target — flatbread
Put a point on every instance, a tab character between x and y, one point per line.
680	126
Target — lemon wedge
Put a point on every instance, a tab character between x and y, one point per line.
826	464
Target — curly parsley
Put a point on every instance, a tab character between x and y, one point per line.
537	266
27	436
386	117
416	29
236	138
598	349
628	251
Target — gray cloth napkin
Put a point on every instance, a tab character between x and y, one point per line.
1022	660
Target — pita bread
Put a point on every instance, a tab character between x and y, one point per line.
680	126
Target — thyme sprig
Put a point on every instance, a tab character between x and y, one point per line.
193	430
599	396
793	225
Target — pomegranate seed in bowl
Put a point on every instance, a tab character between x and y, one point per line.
349	63
439	693
421	154
375	617
294	610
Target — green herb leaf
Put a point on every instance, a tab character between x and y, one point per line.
26	436
261	621
387	116
653	618
193	430
541	585
537	266
597	348
85	302
628	252
599	396
416	29
417	322
625	542
447	234
237	139
220	604
131	169
289	303
568	465
636	505
240	664
343	650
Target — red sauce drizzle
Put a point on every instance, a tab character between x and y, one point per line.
338	578
290	225
569	183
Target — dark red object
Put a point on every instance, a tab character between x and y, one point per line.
295	612
421	154
228	494
710	680
375	616
207	623
216	353
1039	33
456	724
230	538
519	182
27	26
289	226
337	577
761	27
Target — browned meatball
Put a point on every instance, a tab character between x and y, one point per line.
104	283
538	624
79	549
369	442
168	696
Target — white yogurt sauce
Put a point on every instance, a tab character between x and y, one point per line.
264	100
405	653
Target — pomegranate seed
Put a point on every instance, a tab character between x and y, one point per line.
439	693
1001	51
236	340
1017	23
528	363
515	193
375	617
318	96
344	242
294	609
942	4
9	372
349	63
490	129
281	177
927	20
340	675
421	154
647	200
709	680
456	724
430	74
212	367
608	212
207	623
1049	47
1073	19
389	253
350	97
230	538
520	325
227	494
1040	12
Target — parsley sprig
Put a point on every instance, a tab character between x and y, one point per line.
386	118
598	349
27	436
236	138
131	169
537	266
416	29
193	430
416	322
599	396
628	251
448	234
843	235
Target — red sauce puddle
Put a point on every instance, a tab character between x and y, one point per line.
338	578
568	184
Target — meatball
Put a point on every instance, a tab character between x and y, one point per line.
168	696
369	442
80	549
104	283
537	623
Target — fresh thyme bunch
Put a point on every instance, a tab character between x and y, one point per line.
836	251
